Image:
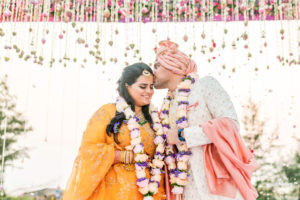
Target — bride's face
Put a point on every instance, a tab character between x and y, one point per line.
142	90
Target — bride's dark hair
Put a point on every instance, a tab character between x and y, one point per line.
129	76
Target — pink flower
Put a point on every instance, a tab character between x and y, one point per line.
185	38
182	107
183	124
144	10
138	148
61	36
177	190
7	13
143	183
156	126
43	41
182	175
261	10
28	16
169	159
155	171
158	139
185	158
134	134
34	2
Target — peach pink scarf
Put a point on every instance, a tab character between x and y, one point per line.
228	162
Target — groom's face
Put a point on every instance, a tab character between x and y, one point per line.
161	76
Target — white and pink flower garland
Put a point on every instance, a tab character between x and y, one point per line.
146	187
178	170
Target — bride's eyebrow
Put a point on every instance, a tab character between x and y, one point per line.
145	84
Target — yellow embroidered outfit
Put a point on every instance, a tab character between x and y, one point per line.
94	176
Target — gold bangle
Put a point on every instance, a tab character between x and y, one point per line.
123	156
130	157
126	157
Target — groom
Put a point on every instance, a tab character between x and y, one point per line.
200	114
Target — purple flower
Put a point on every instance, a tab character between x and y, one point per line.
166	125
165	112
141	179
184	90
142	164
136	118
142	182
177	172
183	102
116	127
182	119
159	156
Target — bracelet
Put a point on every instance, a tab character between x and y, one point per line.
127	157
180	135
123	155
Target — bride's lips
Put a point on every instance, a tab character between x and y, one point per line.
146	96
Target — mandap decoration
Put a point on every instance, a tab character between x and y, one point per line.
147	10
104	28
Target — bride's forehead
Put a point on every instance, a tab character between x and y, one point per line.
145	79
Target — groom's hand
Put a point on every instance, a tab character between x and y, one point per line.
172	137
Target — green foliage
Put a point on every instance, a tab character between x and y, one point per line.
16	198
261	142
292	173
12	125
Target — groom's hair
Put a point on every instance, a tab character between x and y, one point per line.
129	76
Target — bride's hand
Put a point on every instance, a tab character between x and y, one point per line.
117	157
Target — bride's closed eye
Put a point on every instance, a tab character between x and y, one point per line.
144	87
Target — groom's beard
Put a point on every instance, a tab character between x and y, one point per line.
158	84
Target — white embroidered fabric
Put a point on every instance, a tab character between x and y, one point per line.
213	102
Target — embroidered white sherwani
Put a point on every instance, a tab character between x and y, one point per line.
213	102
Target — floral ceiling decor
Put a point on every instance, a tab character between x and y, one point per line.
147	10
104	32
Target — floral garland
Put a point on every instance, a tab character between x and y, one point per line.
146	187
178	170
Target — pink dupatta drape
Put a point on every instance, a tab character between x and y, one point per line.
228	162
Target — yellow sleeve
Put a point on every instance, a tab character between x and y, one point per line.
96	156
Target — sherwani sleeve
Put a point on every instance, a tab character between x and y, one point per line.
219	105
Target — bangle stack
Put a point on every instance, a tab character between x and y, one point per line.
127	157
